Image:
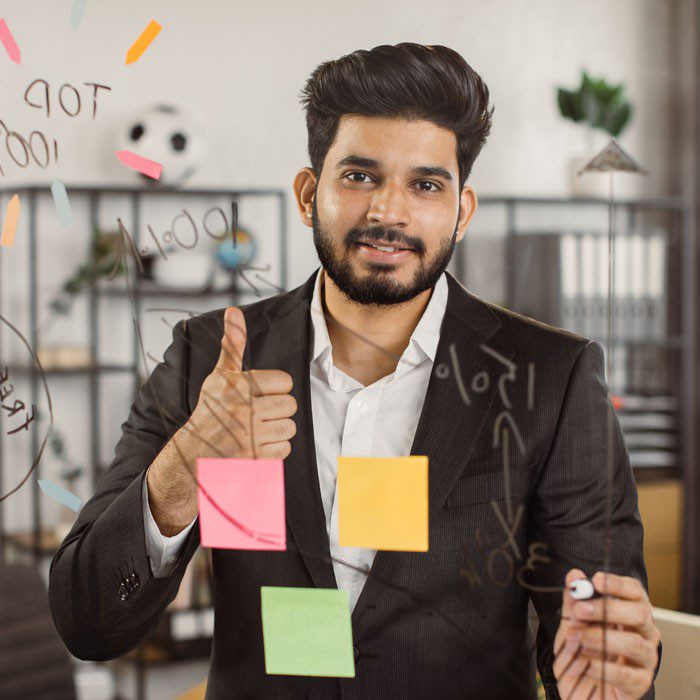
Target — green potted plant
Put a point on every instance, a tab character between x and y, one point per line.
599	107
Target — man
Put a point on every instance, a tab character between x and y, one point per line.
382	353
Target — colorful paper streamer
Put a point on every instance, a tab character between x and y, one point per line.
143	42
148	167
8	41
77	12
60	199
68	499
9	226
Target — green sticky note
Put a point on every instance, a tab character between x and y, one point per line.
307	632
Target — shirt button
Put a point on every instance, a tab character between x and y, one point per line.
361	406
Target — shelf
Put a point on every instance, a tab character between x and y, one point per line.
161	190
672	203
654	402
70	371
179	635
151	654
643	475
24	541
670	341
153	290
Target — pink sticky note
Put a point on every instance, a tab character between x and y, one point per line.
8	41
241	503
143	165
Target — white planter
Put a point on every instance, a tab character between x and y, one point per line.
588	184
191	269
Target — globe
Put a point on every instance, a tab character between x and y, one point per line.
236	251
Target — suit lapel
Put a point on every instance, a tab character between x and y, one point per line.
448	427
285	345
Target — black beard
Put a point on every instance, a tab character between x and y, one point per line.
378	289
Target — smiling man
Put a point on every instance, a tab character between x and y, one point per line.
378	354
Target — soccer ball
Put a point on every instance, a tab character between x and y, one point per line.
168	136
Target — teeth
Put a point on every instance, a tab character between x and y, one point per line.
384	249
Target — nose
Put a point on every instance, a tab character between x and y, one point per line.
389	207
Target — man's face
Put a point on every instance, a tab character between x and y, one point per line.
387	211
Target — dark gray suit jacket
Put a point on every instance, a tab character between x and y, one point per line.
449	623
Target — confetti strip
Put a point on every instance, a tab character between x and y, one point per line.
143	42
8	41
76	13
60	198
68	499
143	165
7	237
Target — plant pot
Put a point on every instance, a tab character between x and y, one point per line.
191	270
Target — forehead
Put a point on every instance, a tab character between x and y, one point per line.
394	142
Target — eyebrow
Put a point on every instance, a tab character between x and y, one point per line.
421	170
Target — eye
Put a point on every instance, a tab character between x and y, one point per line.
137	131
428	182
178	141
357	172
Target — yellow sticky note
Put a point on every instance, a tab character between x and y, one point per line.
383	503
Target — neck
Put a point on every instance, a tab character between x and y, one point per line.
368	340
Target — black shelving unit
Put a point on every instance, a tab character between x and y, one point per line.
675	345
659	367
38	545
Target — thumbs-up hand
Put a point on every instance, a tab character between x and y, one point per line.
243	414
254	416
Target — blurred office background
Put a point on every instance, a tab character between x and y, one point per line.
232	136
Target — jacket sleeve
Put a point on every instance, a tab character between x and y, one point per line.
569	503
103	596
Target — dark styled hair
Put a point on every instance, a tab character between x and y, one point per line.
409	81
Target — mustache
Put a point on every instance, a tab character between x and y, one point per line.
369	235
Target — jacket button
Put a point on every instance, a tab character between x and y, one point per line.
356	653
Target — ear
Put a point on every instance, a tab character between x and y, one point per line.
304	190
469	204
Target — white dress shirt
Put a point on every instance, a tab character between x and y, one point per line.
350	420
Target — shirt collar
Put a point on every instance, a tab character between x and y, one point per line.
425	336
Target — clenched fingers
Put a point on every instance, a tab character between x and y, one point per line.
631	645
631	613
271	431
274	406
629	679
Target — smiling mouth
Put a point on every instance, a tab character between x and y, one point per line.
385	248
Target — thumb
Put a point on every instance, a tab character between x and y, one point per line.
233	341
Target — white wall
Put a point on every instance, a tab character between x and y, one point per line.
241	66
